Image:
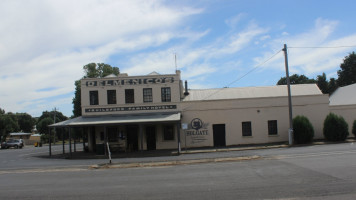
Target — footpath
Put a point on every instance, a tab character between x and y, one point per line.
194	156
191	156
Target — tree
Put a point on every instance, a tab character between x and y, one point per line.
92	70
42	125
347	73
295	79
354	128
332	85
327	87
99	70
59	116
25	122
322	83
8	124
77	104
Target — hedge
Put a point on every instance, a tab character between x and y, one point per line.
335	128
303	131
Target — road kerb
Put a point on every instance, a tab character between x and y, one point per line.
173	163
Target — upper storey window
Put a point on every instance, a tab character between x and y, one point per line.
147	95
129	96
111	96
94	97
166	94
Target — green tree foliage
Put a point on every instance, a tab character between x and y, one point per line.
322	83
295	79
91	70
335	128
46	114
303	131
354	128
332	85
25	122
8	124
47	118
99	70
77	104
327	87
347	73
42	125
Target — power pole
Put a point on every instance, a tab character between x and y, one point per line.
54	119
290	130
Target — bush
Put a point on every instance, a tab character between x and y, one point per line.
354	128
303	131
335	128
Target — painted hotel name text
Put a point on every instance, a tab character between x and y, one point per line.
138	81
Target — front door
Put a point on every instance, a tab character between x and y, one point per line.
219	135
151	137
132	138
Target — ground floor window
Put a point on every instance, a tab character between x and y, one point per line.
246	129
112	134
168	132
272	127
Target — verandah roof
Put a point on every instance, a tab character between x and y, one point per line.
119	119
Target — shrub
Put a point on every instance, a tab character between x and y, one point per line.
354	128
303	131
335	128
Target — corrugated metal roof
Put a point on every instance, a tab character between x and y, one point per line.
252	92
344	96
19	134
119	119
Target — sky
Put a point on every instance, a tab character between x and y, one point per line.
44	44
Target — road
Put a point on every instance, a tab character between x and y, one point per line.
311	172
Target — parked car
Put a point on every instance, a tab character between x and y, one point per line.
15	143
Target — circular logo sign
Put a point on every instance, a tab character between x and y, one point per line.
196	124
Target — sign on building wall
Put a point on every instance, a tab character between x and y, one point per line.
197	131
135	81
132	108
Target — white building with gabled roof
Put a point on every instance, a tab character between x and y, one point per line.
343	103
156	111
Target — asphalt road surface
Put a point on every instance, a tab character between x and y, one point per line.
312	172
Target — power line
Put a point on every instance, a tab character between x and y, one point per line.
253	69
239	78
320	47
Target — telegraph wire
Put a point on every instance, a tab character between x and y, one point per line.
253	69
320	47
239	78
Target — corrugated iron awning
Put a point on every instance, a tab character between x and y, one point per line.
119	119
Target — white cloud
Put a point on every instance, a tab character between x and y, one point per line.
233	21
197	63
310	61
44	44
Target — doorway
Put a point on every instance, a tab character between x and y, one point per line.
219	135
132	138
151	137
